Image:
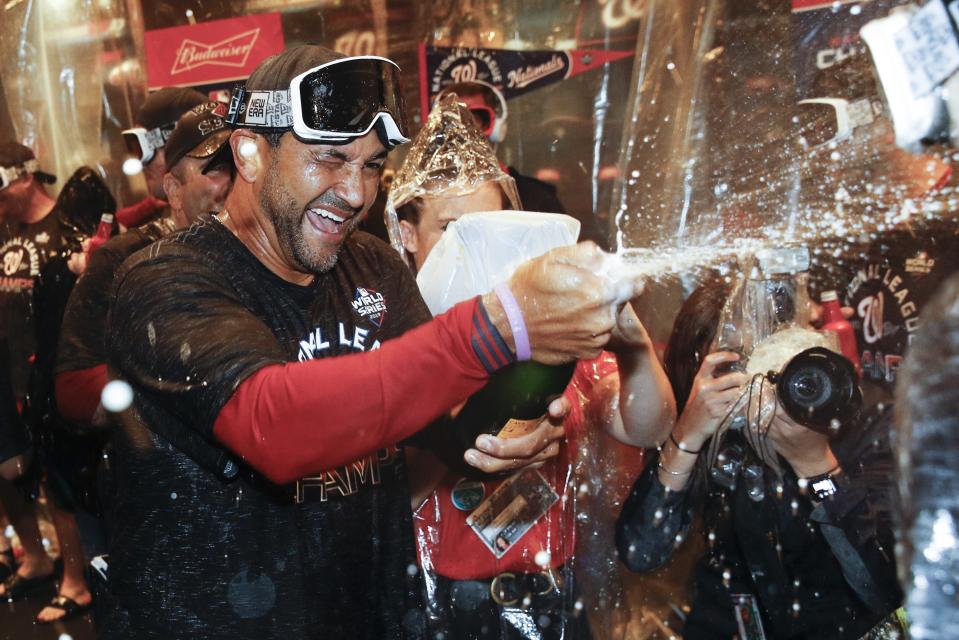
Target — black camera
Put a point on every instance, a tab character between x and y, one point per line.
819	388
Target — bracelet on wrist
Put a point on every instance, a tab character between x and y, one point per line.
516	321
673	473
682	447
819	476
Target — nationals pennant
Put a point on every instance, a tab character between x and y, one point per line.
212	52
513	72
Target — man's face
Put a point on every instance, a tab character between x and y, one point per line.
15	199
437	212
198	192
315	195
477	101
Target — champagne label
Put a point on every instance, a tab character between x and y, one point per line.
516	428
512	510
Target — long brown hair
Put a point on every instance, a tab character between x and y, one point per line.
693	332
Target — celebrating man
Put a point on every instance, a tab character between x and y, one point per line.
276	359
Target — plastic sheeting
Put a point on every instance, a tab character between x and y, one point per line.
719	155
69	72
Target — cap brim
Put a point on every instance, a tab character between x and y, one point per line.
43	176
222	156
210	145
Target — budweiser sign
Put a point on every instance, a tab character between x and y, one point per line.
218	51
232	52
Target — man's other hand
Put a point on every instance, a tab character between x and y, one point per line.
498	455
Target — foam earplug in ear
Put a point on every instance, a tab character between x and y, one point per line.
247	148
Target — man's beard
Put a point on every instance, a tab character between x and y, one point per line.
287	218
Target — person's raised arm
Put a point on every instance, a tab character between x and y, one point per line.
635	404
290	419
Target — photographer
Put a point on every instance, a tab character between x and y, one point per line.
806	552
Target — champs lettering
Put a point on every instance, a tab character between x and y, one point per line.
20	264
347	480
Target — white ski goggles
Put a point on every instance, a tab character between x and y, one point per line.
333	103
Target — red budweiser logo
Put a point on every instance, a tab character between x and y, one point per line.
231	52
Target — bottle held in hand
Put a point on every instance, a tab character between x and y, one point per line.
104	230
513	402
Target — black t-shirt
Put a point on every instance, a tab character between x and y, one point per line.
24	251
197	556
889	289
82	335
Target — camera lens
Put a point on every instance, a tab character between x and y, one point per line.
818	386
810	387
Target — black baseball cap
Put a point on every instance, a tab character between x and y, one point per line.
276	72
14	154
163	108
201	132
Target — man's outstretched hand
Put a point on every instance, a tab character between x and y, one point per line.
570	307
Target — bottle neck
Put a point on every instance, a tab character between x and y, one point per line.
831	312
104	229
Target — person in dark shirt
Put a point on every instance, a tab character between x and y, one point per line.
804	565
200	176
66	460
29	238
146	141
277	357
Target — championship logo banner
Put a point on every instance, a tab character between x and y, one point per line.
513	72
826	33
212	52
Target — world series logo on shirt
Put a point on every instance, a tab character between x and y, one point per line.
370	304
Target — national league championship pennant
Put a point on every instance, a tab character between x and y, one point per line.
513	72
212	52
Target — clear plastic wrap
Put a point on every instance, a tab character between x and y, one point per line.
449	157
70	74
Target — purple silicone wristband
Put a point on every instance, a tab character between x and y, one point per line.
516	322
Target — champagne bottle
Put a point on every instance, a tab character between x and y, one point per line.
104	229
512	403
834	321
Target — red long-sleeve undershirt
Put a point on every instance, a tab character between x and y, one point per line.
78	393
294	420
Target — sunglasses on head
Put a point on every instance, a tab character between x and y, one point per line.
143	144
485	118
826	120
9	175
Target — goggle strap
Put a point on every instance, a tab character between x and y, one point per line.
9	174
260	109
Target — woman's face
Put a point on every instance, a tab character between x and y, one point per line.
437	212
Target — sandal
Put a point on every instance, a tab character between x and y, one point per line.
16	586
69	607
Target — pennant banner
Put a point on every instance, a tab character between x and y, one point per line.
513	72
210	53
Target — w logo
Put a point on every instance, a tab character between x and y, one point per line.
870	311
